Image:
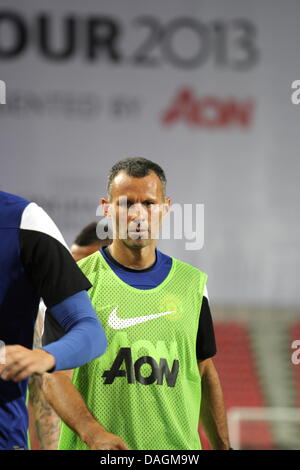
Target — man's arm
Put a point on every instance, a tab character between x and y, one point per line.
84	338
44	424
84	341
213	413
57	279
70	406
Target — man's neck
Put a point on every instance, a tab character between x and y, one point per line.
135	258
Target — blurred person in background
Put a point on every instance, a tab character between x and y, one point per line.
87	242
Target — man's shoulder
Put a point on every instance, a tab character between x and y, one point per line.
10	199
90	262
92	267
11	209
188	267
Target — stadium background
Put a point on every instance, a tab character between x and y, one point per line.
204	89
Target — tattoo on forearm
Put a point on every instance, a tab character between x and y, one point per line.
47	423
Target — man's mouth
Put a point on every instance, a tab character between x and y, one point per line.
138	233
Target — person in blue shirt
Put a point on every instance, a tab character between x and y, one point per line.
36	264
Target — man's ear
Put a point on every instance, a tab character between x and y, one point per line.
105	204
166	205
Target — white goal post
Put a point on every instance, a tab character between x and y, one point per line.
245	414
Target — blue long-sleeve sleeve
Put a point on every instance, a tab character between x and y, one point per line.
84	339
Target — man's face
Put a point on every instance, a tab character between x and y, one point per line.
137	206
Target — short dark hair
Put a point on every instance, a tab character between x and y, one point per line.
137	167
87	236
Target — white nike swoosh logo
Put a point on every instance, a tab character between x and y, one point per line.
119	323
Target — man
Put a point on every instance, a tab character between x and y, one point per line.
146	389
35	263
44	424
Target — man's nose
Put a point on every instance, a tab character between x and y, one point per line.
138	212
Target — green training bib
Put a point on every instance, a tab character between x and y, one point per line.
146	388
